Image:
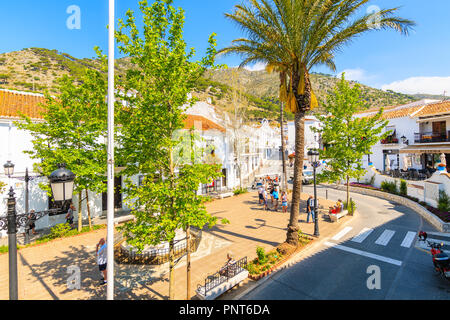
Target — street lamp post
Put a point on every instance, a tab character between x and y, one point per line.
110	170
61	182
313	156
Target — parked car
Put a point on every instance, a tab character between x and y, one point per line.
308	177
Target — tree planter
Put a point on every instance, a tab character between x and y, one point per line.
261	275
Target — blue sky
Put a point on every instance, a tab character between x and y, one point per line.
382	59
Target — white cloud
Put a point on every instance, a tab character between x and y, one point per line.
426	85
357	74
259	66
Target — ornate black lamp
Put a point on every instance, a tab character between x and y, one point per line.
405	140
61	182
9	168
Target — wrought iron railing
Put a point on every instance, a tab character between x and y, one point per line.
390	140
156	256
223	275
425	137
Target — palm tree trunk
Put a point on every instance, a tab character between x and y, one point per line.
283	148
292	233
88	209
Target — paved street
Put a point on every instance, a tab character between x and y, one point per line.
382	234
43	270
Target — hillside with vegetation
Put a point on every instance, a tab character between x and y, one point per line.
37	70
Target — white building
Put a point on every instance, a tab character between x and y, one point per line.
406	127
211	125
312	139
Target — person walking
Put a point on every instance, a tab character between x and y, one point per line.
69	215
276	197
310	209
101	252
32	226
284	202
260	194
265	196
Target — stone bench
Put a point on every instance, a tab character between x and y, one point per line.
226	195
334	217
222	281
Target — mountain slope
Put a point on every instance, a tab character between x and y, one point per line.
37	69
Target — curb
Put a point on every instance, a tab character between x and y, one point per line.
292	259
423	212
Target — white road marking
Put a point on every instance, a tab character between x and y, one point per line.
407	242
362	235
342	233
364	253
385	237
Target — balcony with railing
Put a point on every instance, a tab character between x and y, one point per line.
392	139
430	137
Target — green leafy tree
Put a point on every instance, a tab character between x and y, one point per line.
293	36
156	94
73	133
347	138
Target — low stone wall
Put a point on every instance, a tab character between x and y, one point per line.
427	215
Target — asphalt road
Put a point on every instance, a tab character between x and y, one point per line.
384	262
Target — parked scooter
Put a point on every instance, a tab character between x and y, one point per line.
441	260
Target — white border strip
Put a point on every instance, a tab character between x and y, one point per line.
385	237
362	235
342	233
409	238
364	253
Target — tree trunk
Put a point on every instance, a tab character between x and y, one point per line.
80	216
292	233
348	193
283	149
188	262
171	270
88	209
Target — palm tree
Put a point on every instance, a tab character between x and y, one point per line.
294	36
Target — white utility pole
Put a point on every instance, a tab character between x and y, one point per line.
110	214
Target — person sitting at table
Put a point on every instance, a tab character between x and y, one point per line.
338	207
227	270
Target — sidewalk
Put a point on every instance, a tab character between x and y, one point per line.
43	270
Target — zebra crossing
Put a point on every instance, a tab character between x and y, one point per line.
387	235
383	240
373	238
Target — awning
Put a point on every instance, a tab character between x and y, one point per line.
427	148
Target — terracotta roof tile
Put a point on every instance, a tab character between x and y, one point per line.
405	112
193	120
435	109
12	103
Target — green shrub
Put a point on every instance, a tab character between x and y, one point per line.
444	201
261	253
60	230
390	187
352	208
240	191
403	188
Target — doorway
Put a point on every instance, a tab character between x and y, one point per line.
117	195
